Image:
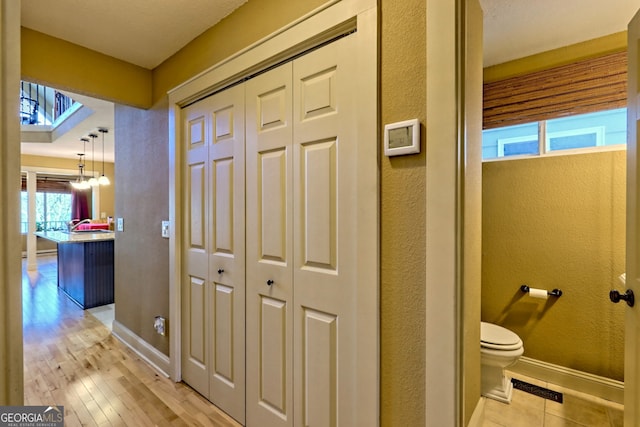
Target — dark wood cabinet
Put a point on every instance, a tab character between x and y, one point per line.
85	272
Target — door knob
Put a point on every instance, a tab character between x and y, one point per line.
269	282
616	296
220	271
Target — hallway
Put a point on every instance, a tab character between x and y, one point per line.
71	359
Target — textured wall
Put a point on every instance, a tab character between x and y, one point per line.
64	65
246	25
557	222
141	254
402	287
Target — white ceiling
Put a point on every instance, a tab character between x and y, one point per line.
147	32
517	28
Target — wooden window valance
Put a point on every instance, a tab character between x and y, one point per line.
586	86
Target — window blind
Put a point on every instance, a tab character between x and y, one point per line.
586	86
50	184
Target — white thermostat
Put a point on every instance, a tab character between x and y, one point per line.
402	138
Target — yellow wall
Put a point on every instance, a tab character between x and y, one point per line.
106	192
248	24
403	197
63	65
557	222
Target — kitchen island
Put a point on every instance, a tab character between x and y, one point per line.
85	265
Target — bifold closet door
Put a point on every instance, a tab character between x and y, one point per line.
301	241
325	236
213	288
269	249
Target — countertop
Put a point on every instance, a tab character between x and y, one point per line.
76	236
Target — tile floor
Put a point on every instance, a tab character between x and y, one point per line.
528	410
105	314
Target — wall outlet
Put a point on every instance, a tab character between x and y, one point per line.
120	224
159	324
165	229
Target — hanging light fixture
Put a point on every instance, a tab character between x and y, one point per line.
103	180
80	183
93	181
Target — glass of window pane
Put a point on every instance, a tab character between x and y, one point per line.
510	141
587	130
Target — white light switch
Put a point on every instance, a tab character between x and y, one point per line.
165	229
120	224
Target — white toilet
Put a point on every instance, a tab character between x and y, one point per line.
499	348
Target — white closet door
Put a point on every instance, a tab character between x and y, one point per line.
269	249
325	236
227	254
195	352
214	289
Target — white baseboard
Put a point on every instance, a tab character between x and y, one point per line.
41	252
158	360
477	418
594	385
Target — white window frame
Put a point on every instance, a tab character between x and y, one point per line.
514	140
597	130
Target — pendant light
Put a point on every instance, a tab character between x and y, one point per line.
93	181
103	180
80	183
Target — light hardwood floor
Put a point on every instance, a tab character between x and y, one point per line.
71	359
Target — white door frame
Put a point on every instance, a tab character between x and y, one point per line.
322	24
445	175
11	347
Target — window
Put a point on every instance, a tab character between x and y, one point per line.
53	203
579	132
53	211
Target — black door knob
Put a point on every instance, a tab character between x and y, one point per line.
220	271
269	282
628	296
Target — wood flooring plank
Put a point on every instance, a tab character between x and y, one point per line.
71	359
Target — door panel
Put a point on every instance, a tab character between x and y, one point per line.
632	322
227	255
214	135
195	352
223	192
273	351
318	193
197	322
269	249
325	235
223	356
320	370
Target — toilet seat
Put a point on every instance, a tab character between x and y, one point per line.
498	338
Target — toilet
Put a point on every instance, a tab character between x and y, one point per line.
499	348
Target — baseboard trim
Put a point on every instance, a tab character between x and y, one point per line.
594	385
477	418
158	360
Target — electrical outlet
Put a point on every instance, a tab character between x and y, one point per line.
159	325
165	229
120	224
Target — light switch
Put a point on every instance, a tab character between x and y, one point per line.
120	224
165	229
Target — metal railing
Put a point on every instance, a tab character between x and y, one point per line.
44	226
41	105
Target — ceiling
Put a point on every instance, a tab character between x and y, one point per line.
146	32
